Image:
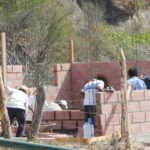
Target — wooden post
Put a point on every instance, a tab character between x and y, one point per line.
124	103
4	62
40	99
71	54
3	111
3	98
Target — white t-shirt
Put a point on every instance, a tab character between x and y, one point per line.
90	89
32	105
17	99
90	97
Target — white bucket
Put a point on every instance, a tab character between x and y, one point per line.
88	130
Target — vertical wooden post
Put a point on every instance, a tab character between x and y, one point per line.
4	66
71	53
3	98
124	103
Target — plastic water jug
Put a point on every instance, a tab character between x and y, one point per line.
88	130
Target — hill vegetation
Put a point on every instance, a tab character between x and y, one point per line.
38	32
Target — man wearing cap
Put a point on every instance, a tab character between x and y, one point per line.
17	106
63	104
89	91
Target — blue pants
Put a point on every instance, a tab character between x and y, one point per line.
19	114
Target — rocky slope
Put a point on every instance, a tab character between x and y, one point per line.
110	11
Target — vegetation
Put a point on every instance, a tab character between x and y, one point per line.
38	32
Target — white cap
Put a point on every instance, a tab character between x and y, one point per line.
63	102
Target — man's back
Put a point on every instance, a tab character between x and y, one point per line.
138	84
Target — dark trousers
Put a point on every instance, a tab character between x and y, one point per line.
19	114
89	112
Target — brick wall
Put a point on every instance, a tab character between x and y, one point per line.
65	120
14	75
109	109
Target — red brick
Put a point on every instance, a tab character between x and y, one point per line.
57	67
135	128
17	83
55	78
77	104
76	89
111	97
62	115
145	105
76	76
9	68
81	123
80	132
19	76
113	119
147	94
58	125
51	97
100	120
107	130
52	89
65	67
138	95
64	74
138	117
117	128
12	76
63	95
48	115
116	108
100	97
106	108
17	68
145	127
69	125
77	114
80	67
148	116
133	106
119	96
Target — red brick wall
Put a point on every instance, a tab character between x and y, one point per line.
109	109
14	75
65	120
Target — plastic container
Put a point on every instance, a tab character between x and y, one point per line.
88	130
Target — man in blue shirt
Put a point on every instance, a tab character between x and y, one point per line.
137	83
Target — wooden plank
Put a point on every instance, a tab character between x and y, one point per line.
71	53
89	140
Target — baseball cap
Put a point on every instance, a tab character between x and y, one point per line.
63	102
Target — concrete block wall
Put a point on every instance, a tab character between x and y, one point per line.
65	120
108	119
14	75
81	73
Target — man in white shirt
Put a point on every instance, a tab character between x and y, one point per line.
89	92
17	106
32	106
